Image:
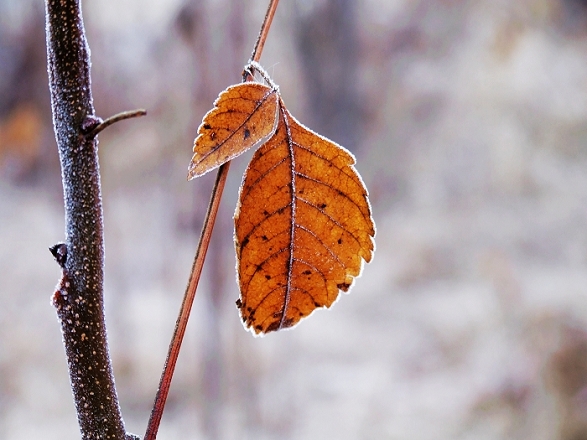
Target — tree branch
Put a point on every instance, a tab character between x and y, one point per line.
79	295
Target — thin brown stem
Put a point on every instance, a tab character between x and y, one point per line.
186	305
198	264
256	56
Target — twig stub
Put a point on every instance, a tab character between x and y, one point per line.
59	252
99	125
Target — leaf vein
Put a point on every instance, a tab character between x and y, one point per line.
336	222
293	211
256	226
247	119
260	266
330	251
262	176
311	266
342	193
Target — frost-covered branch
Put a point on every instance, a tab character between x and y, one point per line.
79	295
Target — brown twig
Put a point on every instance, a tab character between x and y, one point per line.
256	56
101	125
186	306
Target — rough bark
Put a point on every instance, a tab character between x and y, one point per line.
79	295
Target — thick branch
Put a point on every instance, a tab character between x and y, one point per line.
79	296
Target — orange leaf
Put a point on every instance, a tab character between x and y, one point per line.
243	115
303	227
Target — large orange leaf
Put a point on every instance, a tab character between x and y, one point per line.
303	227
243	115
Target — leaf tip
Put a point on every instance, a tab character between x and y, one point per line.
191	172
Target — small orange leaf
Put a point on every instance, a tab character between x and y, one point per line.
243	115
303	227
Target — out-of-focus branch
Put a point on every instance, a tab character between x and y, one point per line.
79	295
328	46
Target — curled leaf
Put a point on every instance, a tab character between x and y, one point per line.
243	115
303	227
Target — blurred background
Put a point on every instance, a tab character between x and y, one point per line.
469	122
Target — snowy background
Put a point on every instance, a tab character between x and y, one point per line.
469	122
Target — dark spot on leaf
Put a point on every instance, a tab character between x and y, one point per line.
340	241
245	242
239	303
272	327
307	272
322	205
267	277
247	133
343	286
264	238
207	126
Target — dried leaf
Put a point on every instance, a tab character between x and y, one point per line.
243	115
302	227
